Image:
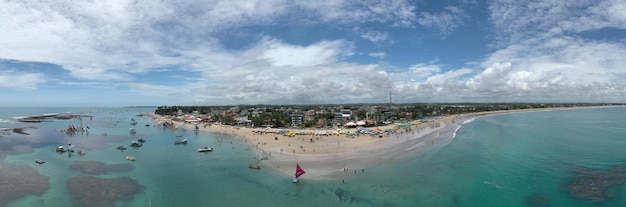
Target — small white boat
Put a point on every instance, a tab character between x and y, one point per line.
205	149
131	158
135	144
184	141
132	131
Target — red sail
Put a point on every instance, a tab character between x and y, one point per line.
299	171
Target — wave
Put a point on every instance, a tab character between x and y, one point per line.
6	121
459	127
468	121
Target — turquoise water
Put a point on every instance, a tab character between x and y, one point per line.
500	160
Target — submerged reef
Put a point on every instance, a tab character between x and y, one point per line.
17	130
538	200
48	117
17	181
97	168
100	192
592	185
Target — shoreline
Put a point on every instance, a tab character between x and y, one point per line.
326	157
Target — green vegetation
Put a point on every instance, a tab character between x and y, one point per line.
328	115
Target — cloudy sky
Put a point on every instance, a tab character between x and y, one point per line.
125	52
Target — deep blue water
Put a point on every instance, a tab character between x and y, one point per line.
516	159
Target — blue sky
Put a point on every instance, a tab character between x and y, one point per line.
121	53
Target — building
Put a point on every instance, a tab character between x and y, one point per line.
297	119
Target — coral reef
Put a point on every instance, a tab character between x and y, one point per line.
538	200
592	184
17	181
100	192
97	168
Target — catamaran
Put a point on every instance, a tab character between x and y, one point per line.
299	172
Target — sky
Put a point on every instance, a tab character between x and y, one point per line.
234	52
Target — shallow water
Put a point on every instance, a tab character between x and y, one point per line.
517	159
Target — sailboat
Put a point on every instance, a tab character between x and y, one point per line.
299	172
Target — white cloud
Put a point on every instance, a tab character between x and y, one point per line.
516	21
94	73
155	90
133	37
422	71
548	57
539	53
490	80
379	55
325	52
376	37
580	60
445	22
398	12
12	79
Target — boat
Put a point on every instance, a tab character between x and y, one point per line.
60	149
141	140
256	167
80	152
131	158
205	149
39	161
132	131
184	141
121	147
135	144
299	172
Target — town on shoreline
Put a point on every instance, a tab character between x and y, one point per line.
332	116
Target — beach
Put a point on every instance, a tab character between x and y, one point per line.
328	157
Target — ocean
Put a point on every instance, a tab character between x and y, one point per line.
543	158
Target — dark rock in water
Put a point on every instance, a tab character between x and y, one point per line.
17	130
42	118
92	191
20	131
17	181
592	184
97	168
538	200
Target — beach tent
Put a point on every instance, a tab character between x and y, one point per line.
360	123
350	124
192	119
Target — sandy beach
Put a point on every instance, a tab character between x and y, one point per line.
327	157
